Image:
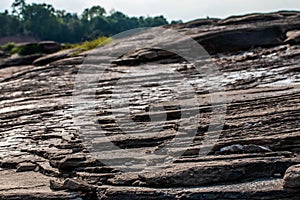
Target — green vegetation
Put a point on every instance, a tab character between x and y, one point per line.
88	45
44	22
29	49
12	48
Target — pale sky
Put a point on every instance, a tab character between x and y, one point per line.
172	9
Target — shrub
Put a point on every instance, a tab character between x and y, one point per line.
10	48
88	45
29	49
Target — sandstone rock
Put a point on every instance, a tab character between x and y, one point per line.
207	173
237	148
54	57
50	46
30	186
3	54
78	60
75	161
255	149
292	177
46	169
200	22
258	72
77	185
57	185
241	39
251	18
19	60
232	149
293	37
27	166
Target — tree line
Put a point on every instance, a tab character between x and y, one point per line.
44	22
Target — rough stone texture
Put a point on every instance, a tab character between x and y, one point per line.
258	69
17	60
54	57
292	177
29	186
45	47
50	46
3	54
77	185
27	166
293	36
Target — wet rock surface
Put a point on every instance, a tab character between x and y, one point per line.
258	143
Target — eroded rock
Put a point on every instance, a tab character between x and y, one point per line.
237	148
257	69
292	177
27	166
77	185
293	37
16	60
54	57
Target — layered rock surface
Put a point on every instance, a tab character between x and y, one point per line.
135	107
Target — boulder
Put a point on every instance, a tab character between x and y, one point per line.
56	185
46	47
26	166
292	177
50	46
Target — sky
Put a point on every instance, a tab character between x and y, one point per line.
185	10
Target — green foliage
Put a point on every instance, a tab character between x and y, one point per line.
29	49
88	45
44	22
93	12
11	48
8	47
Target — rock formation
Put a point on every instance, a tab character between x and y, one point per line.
44	153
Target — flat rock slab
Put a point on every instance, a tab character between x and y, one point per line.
272	188
29	185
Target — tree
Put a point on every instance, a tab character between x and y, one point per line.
10	25
44	22
18	8
40	21
93	12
